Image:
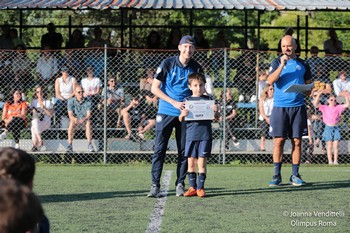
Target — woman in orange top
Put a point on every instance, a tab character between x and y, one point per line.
14	116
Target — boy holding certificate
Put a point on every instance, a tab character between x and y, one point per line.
198	136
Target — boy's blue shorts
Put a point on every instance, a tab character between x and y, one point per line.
197	149
288	122
331	133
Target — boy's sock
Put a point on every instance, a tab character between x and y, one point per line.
277	167
295	169
192	179
201	180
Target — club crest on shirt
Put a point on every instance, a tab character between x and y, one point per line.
298	67
159	118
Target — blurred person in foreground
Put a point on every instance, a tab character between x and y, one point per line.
18	165
170	85
20	209
288	117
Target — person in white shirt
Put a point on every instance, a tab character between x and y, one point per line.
341	86
64	89
42	109
46	66
265	109
91	86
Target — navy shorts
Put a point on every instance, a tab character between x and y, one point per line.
331	133
288	122
197	149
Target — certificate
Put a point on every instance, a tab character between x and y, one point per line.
199	110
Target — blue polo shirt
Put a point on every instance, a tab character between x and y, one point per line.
79	109
295	71
174	78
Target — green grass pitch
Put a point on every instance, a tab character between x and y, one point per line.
113	199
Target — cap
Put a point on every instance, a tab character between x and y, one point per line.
64	68
187	40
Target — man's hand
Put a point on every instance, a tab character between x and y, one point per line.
179	105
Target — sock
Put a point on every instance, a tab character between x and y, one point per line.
192	179
277	167
295	169
201	180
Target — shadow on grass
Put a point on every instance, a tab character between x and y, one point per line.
90	196
339	184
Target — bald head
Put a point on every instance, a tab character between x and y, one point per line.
288	46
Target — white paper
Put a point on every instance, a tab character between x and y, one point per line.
300	88
199	110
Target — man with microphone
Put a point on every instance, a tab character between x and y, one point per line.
288	118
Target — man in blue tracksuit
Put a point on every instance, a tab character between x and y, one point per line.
170	85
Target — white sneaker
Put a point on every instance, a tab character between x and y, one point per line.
17	146
335	162
3	136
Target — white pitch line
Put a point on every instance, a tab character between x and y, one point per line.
156	218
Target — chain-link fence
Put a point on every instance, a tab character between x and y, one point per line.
116	83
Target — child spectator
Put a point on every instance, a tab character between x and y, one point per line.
231	113
307	140
199	138
331	115
14	116
134	116
265	109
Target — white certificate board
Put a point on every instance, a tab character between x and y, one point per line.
199	110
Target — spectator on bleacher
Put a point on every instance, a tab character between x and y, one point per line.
15	39
289	31
333	48
153	40
6	75
149	103
20	209
217	57
201	42
244	80
115	101
79	112
174	38
46	67
265	109
132	116
14	116
42	111
341	86
317	123
262	81
5	39
21	68
144	84
231	113
52	38
331	116
74	53
314	60
64	90
91	86
18	165
152	58
97	41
